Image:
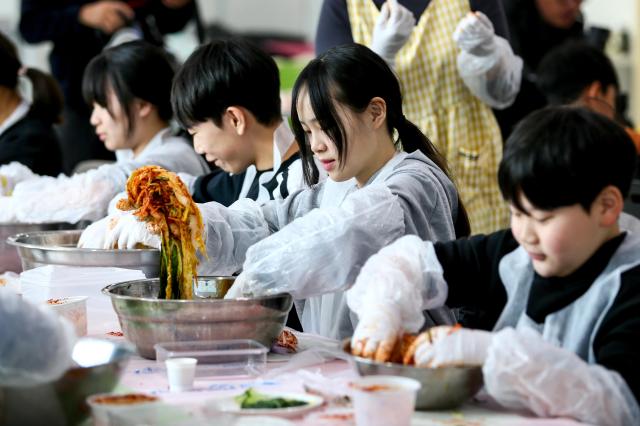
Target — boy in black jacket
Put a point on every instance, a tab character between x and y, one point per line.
561	288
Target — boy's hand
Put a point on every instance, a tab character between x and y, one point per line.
105	15
461	347
378	328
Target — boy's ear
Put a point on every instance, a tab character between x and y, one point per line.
377	111
609	204
237	119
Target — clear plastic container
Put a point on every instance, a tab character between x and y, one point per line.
242	357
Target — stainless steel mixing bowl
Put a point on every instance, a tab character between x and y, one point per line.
62	402
442	388
147	320
59	248
9	258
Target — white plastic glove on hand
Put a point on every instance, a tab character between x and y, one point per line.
127	232
393	288
376	333
11	174
238	288
392	30
94	235
475	34
119	231
486	63
460	347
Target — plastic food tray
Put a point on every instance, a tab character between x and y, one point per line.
241	357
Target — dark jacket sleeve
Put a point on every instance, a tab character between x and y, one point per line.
471	271
43	20
334	28
617	342
218	186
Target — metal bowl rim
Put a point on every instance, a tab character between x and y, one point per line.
107	291
13	240
346	344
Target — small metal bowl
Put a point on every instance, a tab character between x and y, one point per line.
62	402
442	388
60	248
147	320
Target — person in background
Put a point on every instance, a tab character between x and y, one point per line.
80	30
561	288
30	103
347	106
454	65
227	94
129	87
536	27
577	73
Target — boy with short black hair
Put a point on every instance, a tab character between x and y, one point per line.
576	73
227	95
561	288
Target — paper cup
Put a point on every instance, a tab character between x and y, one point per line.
74	309
107	409
384	400
180	372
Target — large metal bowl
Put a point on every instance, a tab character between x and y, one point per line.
442	388
147	320
59	248
62	402
9	258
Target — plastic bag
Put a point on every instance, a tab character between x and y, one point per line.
524	371
35	344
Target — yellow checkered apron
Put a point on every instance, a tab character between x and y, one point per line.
435	98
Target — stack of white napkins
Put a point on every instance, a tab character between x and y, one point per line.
55	281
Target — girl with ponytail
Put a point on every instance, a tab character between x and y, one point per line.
346	109
30	104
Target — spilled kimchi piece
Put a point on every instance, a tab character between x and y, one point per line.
160	198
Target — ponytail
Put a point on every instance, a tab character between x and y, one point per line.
47	99
47	102
413	140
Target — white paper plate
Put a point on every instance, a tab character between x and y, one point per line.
229	405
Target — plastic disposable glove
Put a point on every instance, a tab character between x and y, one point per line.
238	288
463	346
376	333
11	174
486	63
393	288
523	371
94	236
392	30
35	344
127	232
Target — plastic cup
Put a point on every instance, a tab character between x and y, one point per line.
181	372
74	309
384	400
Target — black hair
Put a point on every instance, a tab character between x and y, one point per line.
567	70
47	102
352	75
561	156
224	73
133	70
